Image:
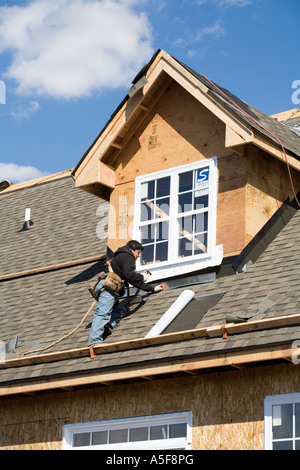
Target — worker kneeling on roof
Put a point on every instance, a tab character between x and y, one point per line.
121	268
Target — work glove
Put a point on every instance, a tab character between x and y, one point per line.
146	275
159	288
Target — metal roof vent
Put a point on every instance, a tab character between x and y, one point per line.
4	184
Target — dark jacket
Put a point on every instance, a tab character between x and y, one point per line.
123	264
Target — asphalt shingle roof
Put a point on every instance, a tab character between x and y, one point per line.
63	230
44	307
265	123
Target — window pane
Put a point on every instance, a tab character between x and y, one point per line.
162	231
200	201
185	202
185	181
177	430
147	212
81	439
185	247
297	445
138	434
147	255
161	252
147	234
297	419
163	187
147	190
99	437
158	432
186	226
282	421
118	435
193	224
200	244
283	445
195	245
162	207
201	221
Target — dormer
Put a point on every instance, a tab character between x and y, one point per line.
190	170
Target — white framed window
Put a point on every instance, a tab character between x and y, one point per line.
282	422
175	219
168	431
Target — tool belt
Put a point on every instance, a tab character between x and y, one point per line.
112	282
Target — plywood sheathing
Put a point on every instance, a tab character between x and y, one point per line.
227	408
268	186
179	130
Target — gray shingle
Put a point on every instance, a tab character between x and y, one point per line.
44	307
63	230
264	124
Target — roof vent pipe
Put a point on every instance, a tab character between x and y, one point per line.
28	222
185	297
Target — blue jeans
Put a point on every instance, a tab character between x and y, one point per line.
108	310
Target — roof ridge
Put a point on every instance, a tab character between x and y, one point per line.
35	182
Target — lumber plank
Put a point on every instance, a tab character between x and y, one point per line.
258	325
105	348
53	267
188	365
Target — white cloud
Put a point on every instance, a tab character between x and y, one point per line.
71	48
226	3
234	3
195	37
17	173
216	31
25	112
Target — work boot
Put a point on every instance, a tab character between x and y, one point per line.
108	329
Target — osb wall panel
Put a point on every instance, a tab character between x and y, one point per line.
268	186
228	408
179	130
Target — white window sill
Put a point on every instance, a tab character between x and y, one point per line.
160	273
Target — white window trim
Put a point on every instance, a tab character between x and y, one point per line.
214	255
270	401
173	418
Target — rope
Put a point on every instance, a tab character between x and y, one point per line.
66	336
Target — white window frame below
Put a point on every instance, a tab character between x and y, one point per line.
174	265
277	400
181	443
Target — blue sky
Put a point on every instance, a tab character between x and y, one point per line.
67	64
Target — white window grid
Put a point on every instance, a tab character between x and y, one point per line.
126	427
174	215
272	407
